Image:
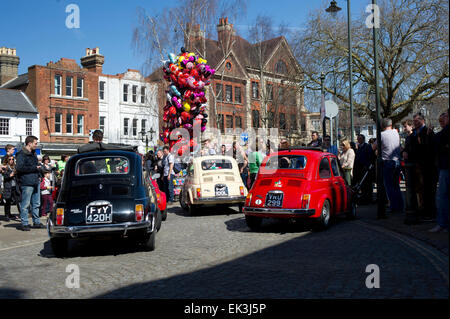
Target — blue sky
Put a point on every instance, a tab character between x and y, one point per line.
37	28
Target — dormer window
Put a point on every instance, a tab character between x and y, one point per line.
281	67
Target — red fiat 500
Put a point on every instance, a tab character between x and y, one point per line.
299	183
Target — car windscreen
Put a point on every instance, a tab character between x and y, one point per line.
102	165
286	162
216	164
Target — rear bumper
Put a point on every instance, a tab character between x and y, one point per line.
98	229
278	212
220	200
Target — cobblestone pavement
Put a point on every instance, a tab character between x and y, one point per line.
215	255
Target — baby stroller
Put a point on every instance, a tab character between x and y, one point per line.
357	187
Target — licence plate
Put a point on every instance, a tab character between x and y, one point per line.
99	214
274	200
221	191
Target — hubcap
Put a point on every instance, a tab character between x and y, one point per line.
325	213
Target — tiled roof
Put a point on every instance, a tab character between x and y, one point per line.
15	101
18	81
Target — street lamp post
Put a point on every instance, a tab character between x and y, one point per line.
322	101
381	208
144	133
333	9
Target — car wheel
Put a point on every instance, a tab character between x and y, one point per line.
150	241
60	246
323	221
164	215
253	222
352	213
182	203
192	209
158	220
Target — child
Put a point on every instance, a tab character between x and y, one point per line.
46	192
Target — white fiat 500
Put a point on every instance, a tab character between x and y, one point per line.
212	180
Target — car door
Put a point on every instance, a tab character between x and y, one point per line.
325	182
338	186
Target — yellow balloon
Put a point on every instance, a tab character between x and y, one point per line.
186	106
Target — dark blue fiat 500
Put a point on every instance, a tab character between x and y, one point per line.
104	193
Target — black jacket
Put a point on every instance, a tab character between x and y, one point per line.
26	166
9	183
442	144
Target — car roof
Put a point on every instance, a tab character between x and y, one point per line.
104	154
309	151
210	157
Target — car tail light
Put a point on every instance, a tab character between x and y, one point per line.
59	216
158	196
249	198
199	193
241	188
305	201
139	212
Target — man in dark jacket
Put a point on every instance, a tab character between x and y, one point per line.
364	156
28	169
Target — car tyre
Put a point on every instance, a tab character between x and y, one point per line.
150	241
352	213
164	215
182	203
241	208
323	222
253	222
60	246
158	219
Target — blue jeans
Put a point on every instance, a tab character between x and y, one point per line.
391	176
168	188
244	177
31	195
442	197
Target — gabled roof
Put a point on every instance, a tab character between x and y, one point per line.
18	81
15	101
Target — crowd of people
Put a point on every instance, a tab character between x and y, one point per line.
421	160
29	182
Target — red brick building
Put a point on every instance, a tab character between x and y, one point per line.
66	96
255	85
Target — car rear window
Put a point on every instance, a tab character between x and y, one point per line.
102	166
286	162
216	164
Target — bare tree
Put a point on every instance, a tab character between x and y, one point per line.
413	48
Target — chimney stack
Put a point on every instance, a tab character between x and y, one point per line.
225	33
9	64
93	61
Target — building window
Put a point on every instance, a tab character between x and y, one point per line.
29	127
58	122
228	93
125	92
80	87
238	121
370	130
282	121
255	118
57	84
220	117
143	95
135	121
280	67
101	90
69	123
69	85
229	119
125	126
4	126
219	96
294	122
102	123
357	129
269	92
280	94
255	90
134	90
271	119
143	125
80	124
237	94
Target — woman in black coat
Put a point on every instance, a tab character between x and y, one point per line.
10	193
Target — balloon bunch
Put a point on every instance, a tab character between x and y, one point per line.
188	76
